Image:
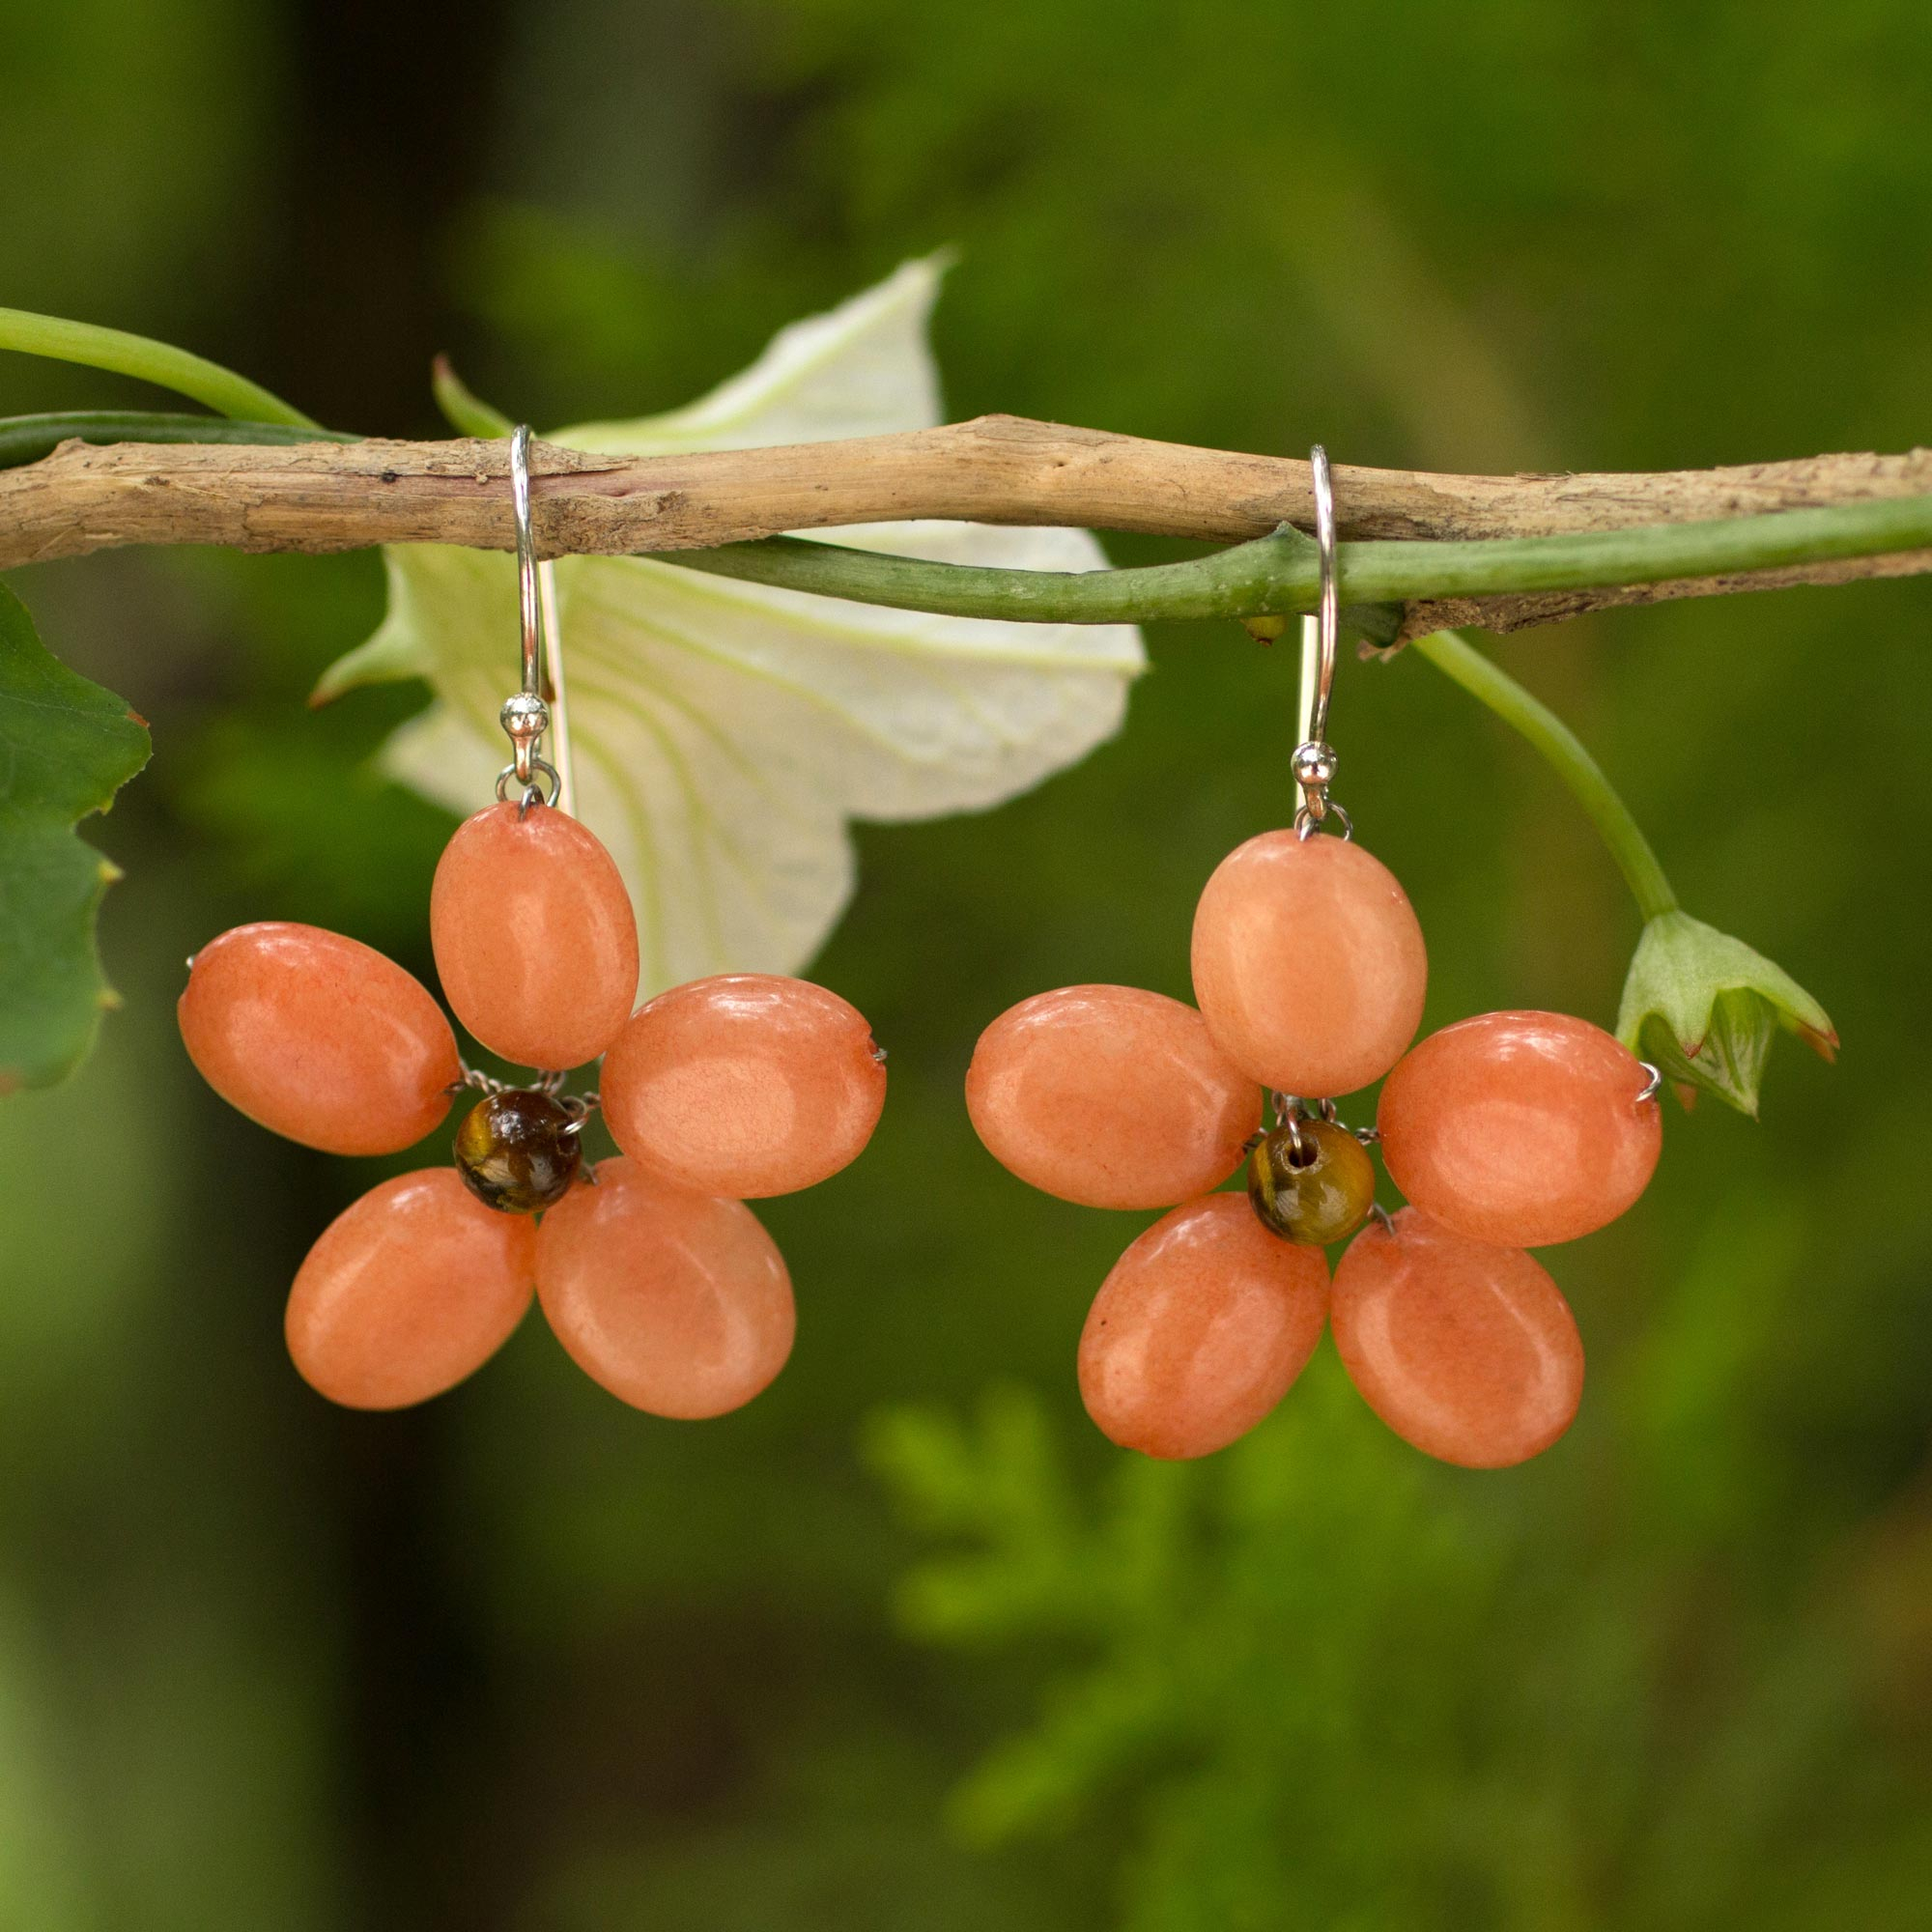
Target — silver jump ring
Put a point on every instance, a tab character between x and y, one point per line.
1287	1113
532	767
1290	1110
1652	1087
1307	821
474	1079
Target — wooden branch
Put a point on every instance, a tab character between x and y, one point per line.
1000	470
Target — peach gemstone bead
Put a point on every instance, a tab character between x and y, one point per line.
748	1084
319	1038
1521	1128
1110	1096
1201	1328
1308	963
534	938
677	1303
1467	1351
407	1291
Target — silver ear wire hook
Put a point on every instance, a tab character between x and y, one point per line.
1313	763
526	716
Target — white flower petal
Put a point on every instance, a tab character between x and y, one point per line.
725	733
860	369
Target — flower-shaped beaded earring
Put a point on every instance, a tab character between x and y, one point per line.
1310	970
657	1279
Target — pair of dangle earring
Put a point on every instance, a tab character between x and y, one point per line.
657	1279
1507	1131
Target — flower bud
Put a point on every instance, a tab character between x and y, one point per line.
1704	1006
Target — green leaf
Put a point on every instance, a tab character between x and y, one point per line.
65	747
465	412
1705	1007
726	734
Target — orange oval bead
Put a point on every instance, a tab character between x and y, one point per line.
1521	1128
677	1303
318	1036
1200	1329
409	1290
534	938
748	1084
1308	963
1110	1096
1466	1351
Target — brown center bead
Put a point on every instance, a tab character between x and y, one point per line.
519	1152
1320	1194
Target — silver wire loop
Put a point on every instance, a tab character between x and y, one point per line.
1652	1087
1331	612
1287	1113
1307	823
1290	1110
533	792
474	1079
525	716
1313	763
528	604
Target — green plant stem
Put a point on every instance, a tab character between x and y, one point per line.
157	362
28	438
1277	575
1451	653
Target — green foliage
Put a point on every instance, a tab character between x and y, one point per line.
145	360
65	747
1318	1680
1704	1007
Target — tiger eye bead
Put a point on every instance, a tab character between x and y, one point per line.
519	1152
1321	1193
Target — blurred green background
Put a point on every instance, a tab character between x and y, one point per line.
904	1643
